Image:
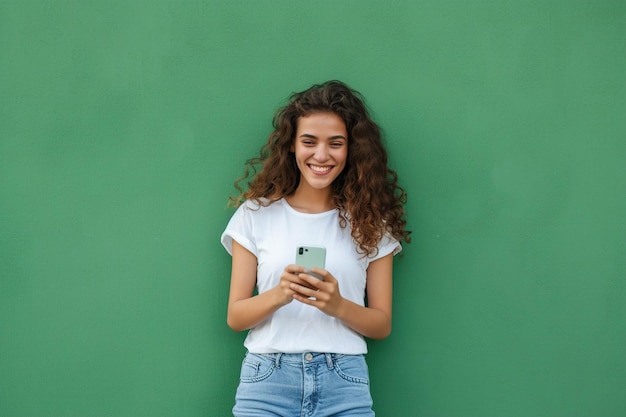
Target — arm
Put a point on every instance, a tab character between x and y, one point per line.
245	310
373	321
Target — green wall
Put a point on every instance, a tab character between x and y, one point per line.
124	123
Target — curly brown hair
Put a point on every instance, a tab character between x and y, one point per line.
366	192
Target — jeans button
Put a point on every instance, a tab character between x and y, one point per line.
308	357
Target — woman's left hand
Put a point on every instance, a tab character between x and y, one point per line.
323	295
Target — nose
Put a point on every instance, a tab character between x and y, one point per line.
321	153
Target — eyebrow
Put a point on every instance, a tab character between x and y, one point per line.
308	135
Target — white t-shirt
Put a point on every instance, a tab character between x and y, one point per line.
272	234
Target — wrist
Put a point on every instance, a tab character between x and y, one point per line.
342	309
279	298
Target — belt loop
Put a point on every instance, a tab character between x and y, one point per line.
278	356
329	360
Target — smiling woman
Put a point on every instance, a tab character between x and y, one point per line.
321	151
324	182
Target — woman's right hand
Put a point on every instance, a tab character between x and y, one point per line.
289	276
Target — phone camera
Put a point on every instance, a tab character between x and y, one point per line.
301	250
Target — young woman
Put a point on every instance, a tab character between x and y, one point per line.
323	181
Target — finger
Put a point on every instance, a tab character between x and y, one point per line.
289	277
294	269
304	299
311	281
301	289
327	276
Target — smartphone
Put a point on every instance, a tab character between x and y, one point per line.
311	257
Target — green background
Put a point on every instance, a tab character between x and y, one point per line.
124	124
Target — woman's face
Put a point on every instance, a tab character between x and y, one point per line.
321	148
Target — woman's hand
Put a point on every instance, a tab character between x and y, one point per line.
323	295
291	276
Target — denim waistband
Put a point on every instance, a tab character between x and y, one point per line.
305	358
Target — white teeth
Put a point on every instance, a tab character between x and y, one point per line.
320	169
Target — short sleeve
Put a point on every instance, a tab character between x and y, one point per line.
240	229
386	246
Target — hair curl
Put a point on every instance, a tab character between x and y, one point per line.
366	192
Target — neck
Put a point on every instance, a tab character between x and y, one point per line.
311	200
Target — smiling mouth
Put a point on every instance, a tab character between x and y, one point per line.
320	169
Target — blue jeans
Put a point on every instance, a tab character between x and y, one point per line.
303	384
